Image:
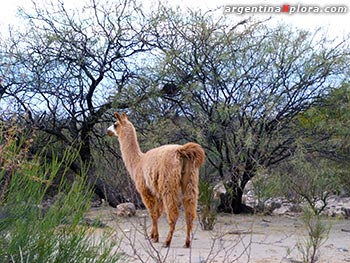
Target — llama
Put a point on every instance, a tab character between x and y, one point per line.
161	175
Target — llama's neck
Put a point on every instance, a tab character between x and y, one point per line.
131	152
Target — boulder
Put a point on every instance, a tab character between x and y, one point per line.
219	189
345	212
281	211
273	204
126	209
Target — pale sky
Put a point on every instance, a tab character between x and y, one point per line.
337	24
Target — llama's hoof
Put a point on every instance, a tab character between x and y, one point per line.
165	245
187	246
154	238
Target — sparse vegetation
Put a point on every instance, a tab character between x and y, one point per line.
32	230
208	206
269	104
317	234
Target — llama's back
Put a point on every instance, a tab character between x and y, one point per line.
161	169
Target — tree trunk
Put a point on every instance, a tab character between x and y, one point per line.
104	190
231	201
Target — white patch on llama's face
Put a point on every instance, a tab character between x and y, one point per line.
111	131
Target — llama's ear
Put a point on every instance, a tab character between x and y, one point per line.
117	115
124	116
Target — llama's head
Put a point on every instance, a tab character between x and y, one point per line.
117	128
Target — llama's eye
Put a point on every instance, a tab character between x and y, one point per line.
115	125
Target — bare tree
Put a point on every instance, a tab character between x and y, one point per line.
241	86
63	69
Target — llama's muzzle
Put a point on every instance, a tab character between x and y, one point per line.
111	131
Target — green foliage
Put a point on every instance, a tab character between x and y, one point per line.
241	85
310	178
317	235
31	230
235	87
208	204
326	131
265	187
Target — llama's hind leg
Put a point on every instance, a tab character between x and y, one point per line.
155	209
189	187
172	210
156	213
190	206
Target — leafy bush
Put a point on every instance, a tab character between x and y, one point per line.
208	214
265	186
31	231
307	177
317	235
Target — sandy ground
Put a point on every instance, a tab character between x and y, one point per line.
236	238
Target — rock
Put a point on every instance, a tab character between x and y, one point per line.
126	209
218	190
343	249
295	208
337	205
345	212
249	200
273	204
248	188
319	204
344	194
281	211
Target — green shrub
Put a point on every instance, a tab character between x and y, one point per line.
208	214
31	231
265	186
317	235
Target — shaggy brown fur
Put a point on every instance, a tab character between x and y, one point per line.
161	175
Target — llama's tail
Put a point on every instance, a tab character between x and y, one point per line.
192	153
193	157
